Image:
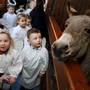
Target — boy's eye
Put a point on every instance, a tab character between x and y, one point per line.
6	41
23	20
35	38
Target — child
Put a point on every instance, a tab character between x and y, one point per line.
10	17
35	61
10	67
29	25
29	19
19	32
20	9
30	6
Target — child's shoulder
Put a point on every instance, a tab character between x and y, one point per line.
13	51
16	27
6	13
13	29
15	14
44	49
24	52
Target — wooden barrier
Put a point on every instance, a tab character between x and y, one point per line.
68	76
3	7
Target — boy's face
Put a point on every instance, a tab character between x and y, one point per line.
32	4
11	10
28	21
4	42
35	40
22	22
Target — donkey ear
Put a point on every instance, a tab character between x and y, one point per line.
70	10
87	12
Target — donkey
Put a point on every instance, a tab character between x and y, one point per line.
75	41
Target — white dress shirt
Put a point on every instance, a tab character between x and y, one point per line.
35	61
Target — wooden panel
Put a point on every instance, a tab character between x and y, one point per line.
77	76
3	1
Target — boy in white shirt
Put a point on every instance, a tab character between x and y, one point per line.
10	17
35	61
20	9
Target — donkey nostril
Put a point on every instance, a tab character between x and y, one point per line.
66	47
57	51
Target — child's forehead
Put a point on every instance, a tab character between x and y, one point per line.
5	35
35	34
10	7
22	19
21	16
32	1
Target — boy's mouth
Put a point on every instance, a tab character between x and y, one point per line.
23	26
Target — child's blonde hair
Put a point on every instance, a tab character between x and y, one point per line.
5	31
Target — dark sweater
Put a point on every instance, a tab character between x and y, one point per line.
38	18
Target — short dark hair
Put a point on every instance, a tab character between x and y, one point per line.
9	5
32	30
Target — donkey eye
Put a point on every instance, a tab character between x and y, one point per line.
66	25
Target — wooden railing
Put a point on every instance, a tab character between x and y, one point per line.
68	76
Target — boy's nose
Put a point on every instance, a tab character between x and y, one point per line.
2	43
38	40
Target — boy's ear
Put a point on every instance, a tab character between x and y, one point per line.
17	22
28	40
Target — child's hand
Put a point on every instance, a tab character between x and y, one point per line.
41	73
4	77
12	79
